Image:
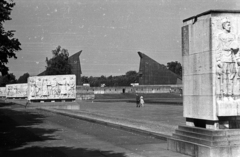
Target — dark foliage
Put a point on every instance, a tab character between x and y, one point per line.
8	44
58	64
23	78
7	79
112	81
175	67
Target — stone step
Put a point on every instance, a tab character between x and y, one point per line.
16	97
198	135
192	139
210	141
207	137
210	132
52	100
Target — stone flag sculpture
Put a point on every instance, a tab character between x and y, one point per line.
52	87
16	90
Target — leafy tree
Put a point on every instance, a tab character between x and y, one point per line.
8	44
122	81
109	82
58	64
132	77
102	80
7	79
84	79
94	82
23	78
175	67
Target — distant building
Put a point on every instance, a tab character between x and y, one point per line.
76	67
153	73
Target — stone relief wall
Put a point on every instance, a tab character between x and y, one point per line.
16	90
226	43
52	87
2	91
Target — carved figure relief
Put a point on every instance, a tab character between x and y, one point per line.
227	63
52	87
16	90
2	91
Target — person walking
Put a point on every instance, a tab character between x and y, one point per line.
137	100
141	101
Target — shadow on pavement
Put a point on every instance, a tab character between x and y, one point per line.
61	152
18	134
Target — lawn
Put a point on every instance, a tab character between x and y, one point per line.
172	98
132	96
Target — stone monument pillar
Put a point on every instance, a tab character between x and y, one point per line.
211	86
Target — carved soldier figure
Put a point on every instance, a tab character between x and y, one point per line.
54	87
227	61
70	87
63	87
45	92
39	87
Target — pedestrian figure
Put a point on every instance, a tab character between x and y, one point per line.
141	101
28	102
137	100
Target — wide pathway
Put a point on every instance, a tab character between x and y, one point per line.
30	132
157	118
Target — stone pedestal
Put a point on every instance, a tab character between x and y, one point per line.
201	142
211	86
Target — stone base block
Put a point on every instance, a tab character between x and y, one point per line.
82	96
228	108
56	106
201	142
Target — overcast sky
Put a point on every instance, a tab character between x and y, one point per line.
109	32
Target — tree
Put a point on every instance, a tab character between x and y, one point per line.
8	44
84	79
23	78
7	79
175	67
94	82
58	64
111	81
132	77
102	80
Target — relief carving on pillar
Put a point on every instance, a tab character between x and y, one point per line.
226	46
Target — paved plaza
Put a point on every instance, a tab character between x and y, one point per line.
156	118
29	131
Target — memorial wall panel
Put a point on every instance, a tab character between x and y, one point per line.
52	87
16	90
2	91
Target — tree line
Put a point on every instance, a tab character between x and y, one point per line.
59	65
112	81
127	79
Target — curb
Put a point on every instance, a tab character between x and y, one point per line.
102	122
148	101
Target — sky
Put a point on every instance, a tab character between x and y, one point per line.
109	32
